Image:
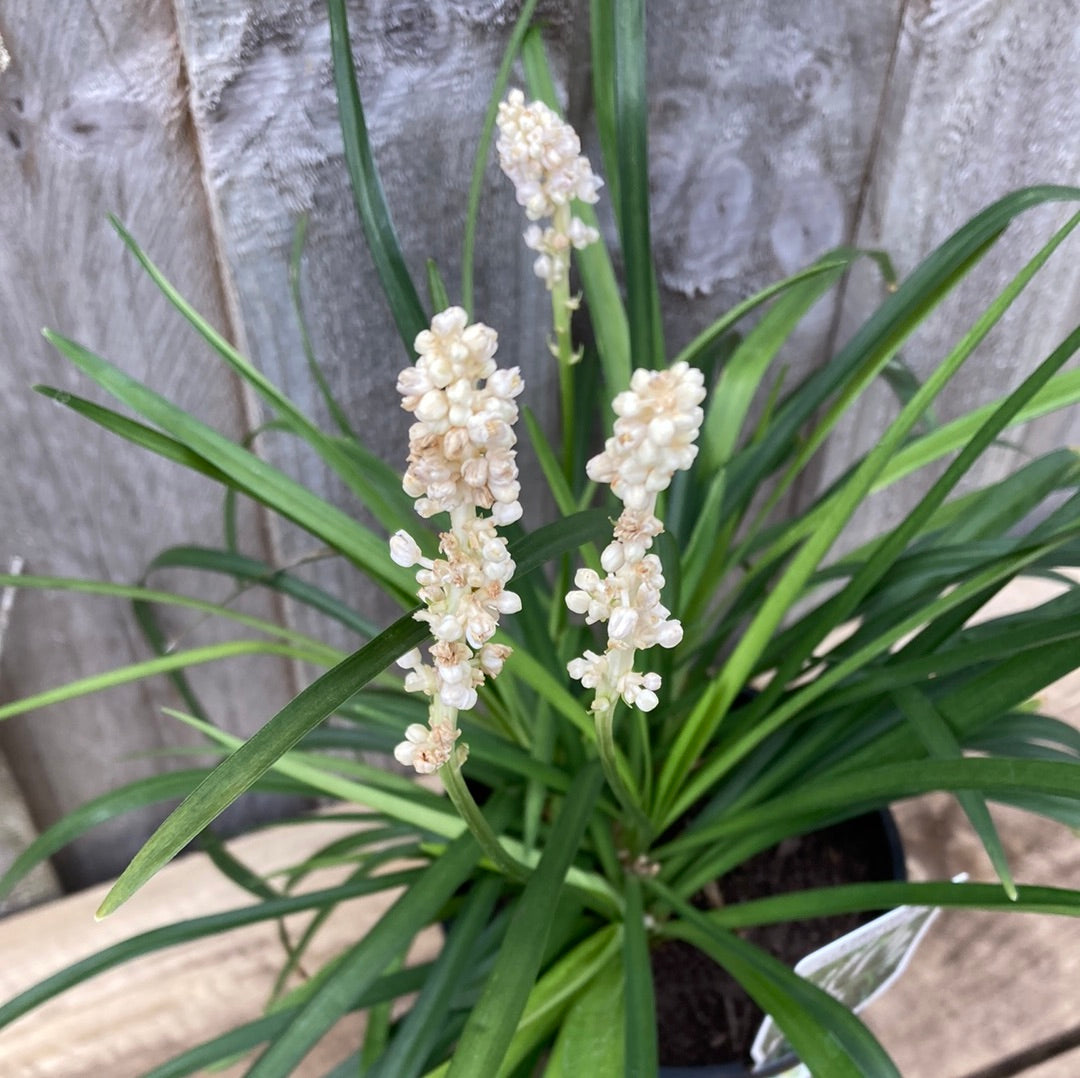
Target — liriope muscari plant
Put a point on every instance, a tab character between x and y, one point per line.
626	703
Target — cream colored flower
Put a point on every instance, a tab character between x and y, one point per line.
461	461
654	436
659	420
426	748
542	156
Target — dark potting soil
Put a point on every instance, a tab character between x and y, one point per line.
703	1015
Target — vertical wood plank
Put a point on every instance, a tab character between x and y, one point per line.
17	830
982	101
93	119
762	126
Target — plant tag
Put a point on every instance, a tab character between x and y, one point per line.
854	969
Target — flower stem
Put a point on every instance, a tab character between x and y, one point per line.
474	819
605	741
564	347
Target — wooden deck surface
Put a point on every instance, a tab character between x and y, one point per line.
982	987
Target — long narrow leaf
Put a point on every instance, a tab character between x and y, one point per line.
337	413
367	188
641	1051
940	742
237	773
258	478
138	434
876	786
184	931
360	966
150	595
708	714
590	1040
302	714
415	1039
179	660
389	504
126	798
253	571
490	1028
860	897
619	34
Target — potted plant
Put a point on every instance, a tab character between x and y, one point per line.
628	705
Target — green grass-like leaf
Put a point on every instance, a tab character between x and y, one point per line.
590	1040
240	770
714	703
361	965
114	803
237	773
619	51
256	477
415	1040
397	284
940	742
179	660
641	1053
491	1026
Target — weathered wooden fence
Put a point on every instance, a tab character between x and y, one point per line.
209	127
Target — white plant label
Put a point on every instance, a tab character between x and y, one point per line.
854	969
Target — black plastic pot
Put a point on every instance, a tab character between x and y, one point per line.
893	867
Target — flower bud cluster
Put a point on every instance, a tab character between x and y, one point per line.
461	448
461	459
659	420
542	156
426	748
654	436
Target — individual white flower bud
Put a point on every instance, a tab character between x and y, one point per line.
404	550
578	601
622	623
613	557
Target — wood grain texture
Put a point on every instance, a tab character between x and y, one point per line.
178	997
17	829
762	128
761	136
92	120
982	100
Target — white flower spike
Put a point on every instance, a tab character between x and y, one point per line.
461	461
542	156
654	437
